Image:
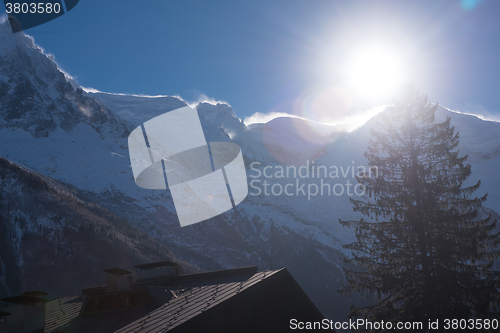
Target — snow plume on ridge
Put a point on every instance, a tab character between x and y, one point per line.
29	41
96	91
259	117
346	123
354	121
479	111
202	98
69	78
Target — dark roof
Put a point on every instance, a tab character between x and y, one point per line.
193	297
35	293
116	271
163	280
63	315
94	290
156	265
181	299
161	295
23	300
3	314
215	274
61	311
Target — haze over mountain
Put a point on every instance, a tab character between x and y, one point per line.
79	140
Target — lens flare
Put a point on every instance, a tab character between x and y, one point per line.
374	71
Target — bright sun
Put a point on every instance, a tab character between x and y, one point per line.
374	71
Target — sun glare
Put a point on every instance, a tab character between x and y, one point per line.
374	71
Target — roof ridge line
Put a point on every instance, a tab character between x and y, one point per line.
225	272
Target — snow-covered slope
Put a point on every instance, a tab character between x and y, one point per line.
81	139
74	138
37	98
480	140
138	109
294	141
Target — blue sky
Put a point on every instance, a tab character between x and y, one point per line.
282	56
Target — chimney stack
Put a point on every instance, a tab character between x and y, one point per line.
117	279
157	270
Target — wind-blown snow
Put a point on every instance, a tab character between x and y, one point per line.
261	118
91	155
345	123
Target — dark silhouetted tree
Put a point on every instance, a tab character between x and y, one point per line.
424	252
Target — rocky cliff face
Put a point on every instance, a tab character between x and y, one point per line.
36	97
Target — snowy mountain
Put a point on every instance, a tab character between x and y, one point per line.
50	240
126	106
40	106
79	139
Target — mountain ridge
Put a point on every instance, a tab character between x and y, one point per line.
40	106
298	232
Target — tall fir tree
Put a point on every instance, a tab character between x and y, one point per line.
424	252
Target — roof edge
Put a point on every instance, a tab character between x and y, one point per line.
224	272
285	271
273	274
